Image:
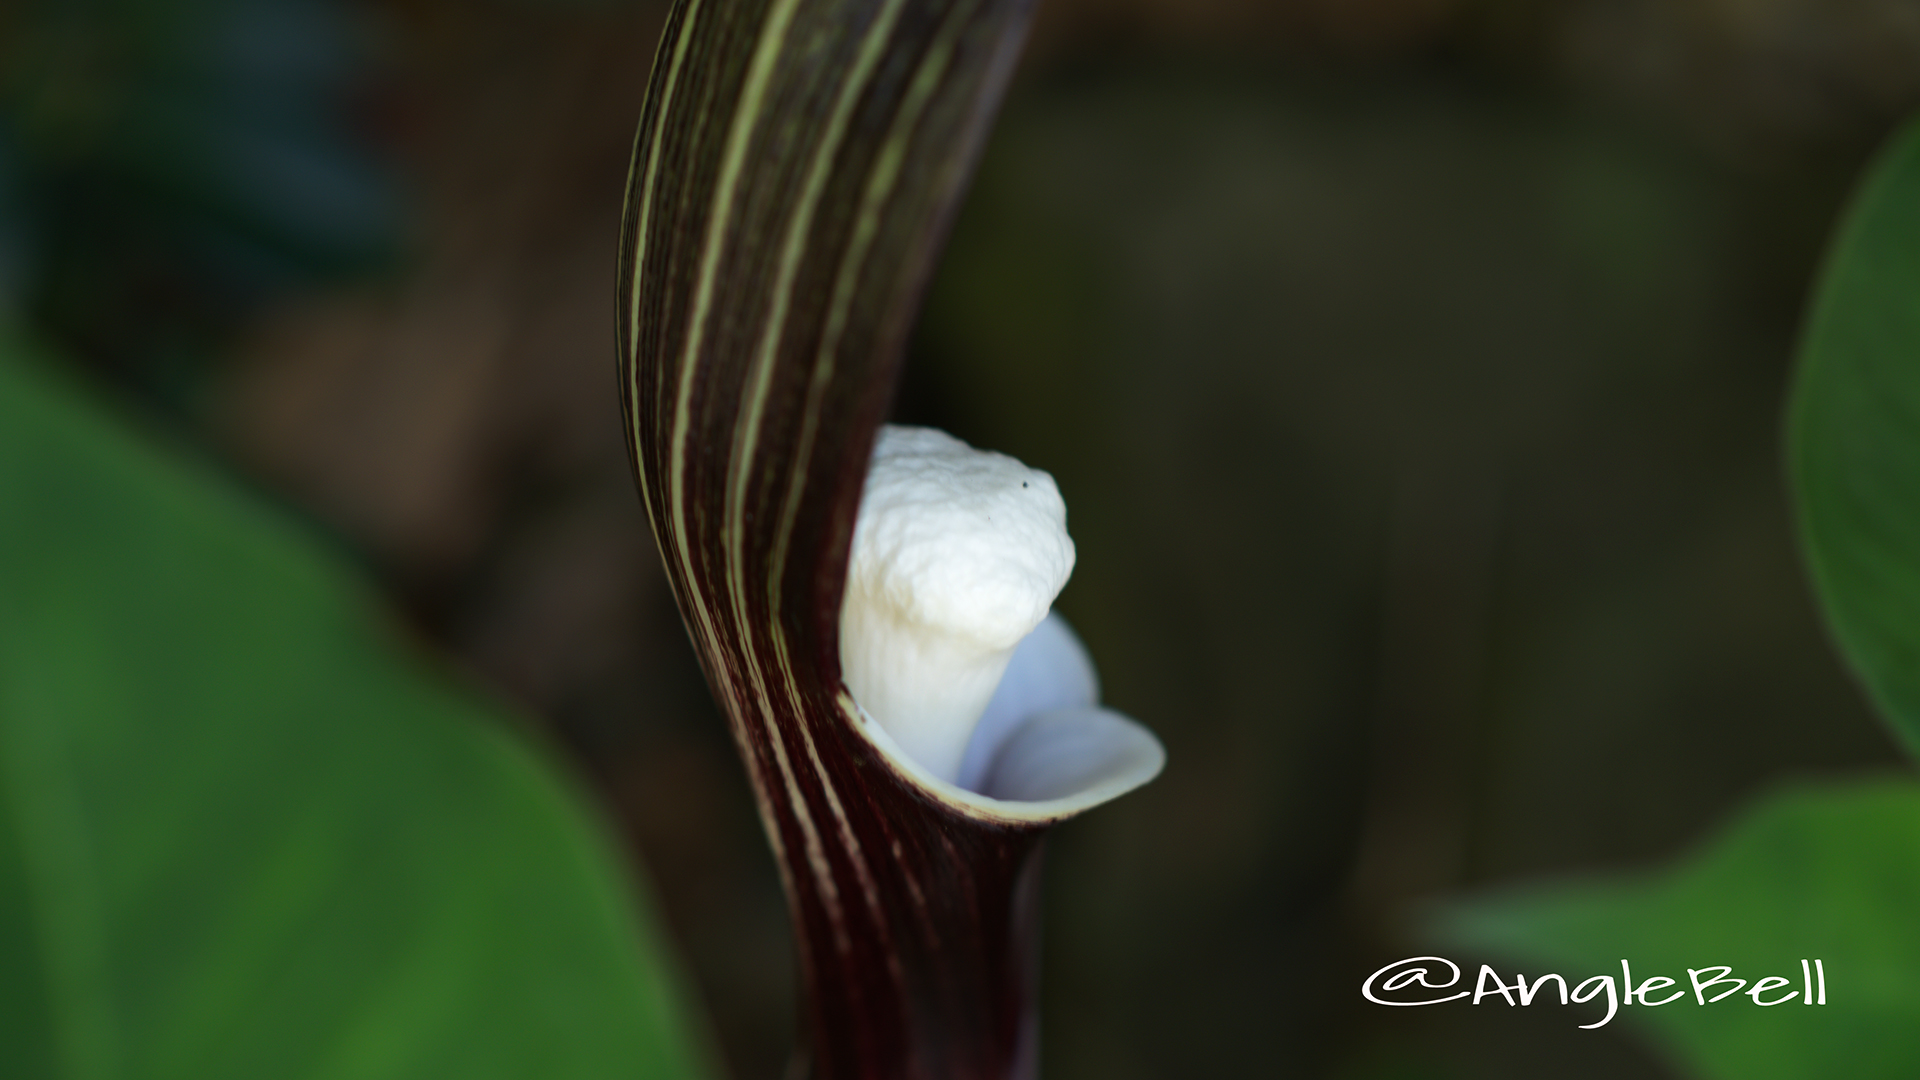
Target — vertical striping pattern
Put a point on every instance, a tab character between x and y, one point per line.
795	169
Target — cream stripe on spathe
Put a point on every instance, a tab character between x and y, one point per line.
638	257
753	415
654	141
746	117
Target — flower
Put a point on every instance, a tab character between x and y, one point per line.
910	724
964	676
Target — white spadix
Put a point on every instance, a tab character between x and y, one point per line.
957	555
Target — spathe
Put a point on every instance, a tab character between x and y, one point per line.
796	166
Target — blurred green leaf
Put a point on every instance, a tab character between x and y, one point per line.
243	835
1830	874
1855	435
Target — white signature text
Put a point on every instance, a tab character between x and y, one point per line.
1416	981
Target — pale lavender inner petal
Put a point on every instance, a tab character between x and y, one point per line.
1049	670
1085	751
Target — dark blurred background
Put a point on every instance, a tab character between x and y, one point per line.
1413	370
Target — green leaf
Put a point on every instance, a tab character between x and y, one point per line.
243	834
1855	435
1822	873
1817	874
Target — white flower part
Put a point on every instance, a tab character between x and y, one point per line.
1045	749
957	555
1050	670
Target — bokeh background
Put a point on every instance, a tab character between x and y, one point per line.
1412	368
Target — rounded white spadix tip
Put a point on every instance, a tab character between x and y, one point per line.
968	541
957	554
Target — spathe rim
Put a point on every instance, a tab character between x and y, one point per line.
1045	750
